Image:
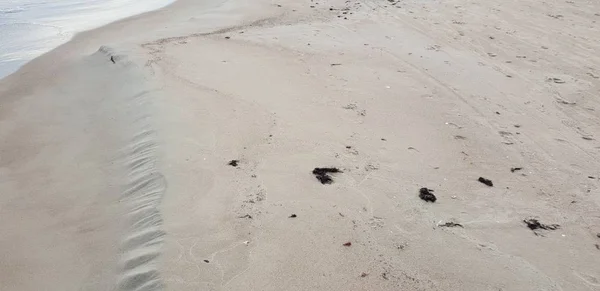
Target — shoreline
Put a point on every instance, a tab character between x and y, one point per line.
175	150
67	24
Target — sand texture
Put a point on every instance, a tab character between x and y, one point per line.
175	150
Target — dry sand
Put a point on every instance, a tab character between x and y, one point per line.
115	175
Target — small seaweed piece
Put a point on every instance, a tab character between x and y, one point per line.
426	195
293	216
322	174
347	244
512	170
486	181
535	224
451	224
233	163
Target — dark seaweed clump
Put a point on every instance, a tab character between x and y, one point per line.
322	174
535	224
426	195
486	181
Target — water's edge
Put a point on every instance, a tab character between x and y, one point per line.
29	28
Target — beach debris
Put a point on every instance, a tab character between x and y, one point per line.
486	181
347	244
365	274
246	242
534	224
322	174
336	64
512	170
383	139
246	216
207	261
425	194
112	59
293	216
227	37
233	163
451	224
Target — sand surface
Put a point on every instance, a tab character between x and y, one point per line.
114	149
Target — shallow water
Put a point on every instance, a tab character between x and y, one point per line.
29	28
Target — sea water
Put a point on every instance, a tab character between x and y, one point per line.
29	28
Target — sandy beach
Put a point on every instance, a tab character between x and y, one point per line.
174	150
